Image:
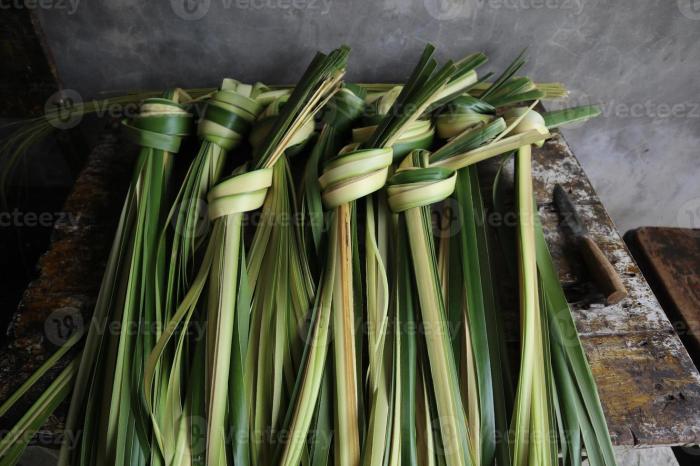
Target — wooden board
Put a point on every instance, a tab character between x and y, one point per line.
670	260
649	387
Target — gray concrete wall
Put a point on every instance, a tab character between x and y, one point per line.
639	59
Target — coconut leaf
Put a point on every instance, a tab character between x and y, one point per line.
531	428
557	118
39	373
18	437
117	358
578	389
411	191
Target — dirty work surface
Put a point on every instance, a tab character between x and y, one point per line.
648	385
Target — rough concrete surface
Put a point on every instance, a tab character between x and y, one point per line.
639	59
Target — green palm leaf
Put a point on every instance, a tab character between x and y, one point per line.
210	346
112	364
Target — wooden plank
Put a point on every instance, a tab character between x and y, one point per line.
670	259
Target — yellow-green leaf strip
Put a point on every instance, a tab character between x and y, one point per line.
354	174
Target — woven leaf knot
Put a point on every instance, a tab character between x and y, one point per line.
417	134
239	193
161	124
354	174
417	186
229	114
462	113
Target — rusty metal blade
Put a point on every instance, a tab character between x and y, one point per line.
567	212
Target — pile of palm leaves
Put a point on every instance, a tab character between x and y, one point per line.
306	308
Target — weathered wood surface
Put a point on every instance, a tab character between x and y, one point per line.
68	280
649	387
670	259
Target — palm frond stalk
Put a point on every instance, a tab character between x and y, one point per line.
411	191
223	271
105	409
283	291
14	441
397	130
556	360
225	122
531	424
577	408
342	111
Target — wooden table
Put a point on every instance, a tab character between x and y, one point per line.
648	385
